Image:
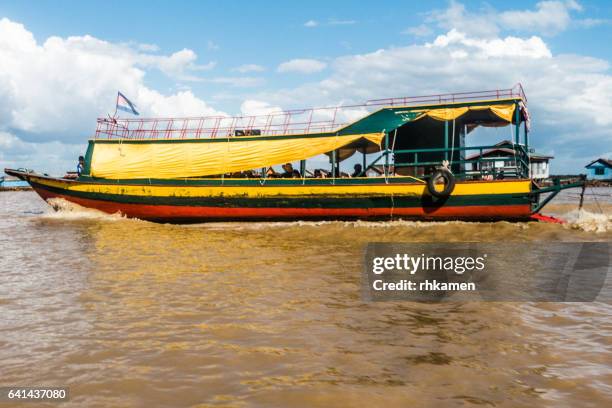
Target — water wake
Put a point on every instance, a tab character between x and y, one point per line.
576	219
588	221
358	224
66	210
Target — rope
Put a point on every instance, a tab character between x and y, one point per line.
227	142
417	179
452	143
593	194
385	167
393	149
596	201
516	164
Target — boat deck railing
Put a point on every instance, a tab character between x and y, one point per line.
515	92
481	165
277	122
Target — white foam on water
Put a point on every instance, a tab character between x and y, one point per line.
402	223
588	221
263	225
66	210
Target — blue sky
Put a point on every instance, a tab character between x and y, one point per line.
64	60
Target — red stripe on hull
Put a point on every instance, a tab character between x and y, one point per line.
184	213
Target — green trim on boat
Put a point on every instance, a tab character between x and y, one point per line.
258	182
88	156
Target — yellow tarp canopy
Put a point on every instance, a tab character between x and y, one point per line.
504	112
181	159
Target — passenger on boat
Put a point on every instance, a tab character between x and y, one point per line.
81	165
270	173
320	173
243	174
290	172
357	171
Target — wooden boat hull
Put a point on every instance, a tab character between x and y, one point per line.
181	201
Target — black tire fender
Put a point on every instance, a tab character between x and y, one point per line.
449	183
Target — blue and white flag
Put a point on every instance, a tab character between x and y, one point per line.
125	104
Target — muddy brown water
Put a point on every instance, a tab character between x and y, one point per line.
128	313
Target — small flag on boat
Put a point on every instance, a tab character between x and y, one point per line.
125	104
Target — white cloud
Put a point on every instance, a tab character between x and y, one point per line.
302	65
481	24
249	68
237	81
421	30
55	89
592	22
212	46
148	47
346	45
51	157
183	103
254	107
550	17
180	64
334	21
329	22
532	47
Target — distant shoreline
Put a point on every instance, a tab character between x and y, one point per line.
598	183
15	188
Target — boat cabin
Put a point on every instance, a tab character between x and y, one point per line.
501	160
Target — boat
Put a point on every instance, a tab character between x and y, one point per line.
412	162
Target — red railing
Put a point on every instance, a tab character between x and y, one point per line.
297	121
515	92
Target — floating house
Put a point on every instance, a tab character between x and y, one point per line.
600	169
502	159
540	166
13	183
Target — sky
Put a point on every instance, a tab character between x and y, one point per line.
62	62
